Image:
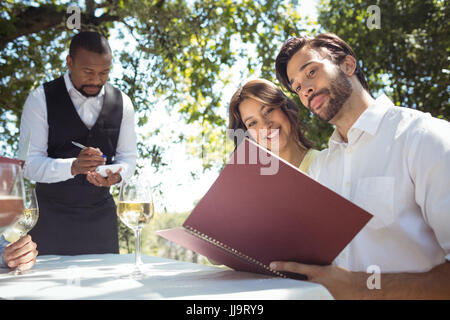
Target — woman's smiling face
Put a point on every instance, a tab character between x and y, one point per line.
268	125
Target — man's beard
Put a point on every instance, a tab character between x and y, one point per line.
339	92
84	93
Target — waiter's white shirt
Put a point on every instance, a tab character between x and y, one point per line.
396	165
34	134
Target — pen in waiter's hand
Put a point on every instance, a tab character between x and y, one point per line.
79	145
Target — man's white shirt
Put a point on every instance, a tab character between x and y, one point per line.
34	134
396	165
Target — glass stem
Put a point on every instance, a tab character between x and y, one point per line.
137	234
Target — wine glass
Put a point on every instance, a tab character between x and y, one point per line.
26	222
27	219
135	210
11	194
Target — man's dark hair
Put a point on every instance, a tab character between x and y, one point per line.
337	50
89	40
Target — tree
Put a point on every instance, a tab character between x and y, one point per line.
407	57
173	51
172	54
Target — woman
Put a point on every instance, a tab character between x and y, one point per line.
271	117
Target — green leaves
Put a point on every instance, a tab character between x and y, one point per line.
180	55
404	58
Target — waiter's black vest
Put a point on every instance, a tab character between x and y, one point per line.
76	217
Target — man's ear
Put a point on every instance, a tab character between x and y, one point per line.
348	65
69	61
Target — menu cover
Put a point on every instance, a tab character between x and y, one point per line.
8	208
262	209
11	160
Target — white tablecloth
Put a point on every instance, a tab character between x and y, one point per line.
99	277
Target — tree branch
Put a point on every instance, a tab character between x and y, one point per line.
7	106
35	19
32	20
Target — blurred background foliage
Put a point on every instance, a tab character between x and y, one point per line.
408	57
185	56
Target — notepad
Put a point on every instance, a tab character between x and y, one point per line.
249	218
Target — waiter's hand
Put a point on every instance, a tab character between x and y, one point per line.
97	180
21	254
88	159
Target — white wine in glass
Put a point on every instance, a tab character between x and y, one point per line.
135	214
135	210
27	219
26	222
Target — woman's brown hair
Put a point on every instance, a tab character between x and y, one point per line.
269	94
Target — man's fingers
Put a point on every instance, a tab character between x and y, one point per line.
305	269
90	157
84	164
17	244
113	178
13	253
26	266
97	180
89	168
91	151
23	241
92	180
23	259
88	160
100	181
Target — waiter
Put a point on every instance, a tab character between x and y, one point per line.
77	213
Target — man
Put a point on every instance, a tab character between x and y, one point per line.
77	214
391	161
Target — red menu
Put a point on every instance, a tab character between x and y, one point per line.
262	209
10	160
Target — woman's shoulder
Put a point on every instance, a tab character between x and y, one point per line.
311	154
309	157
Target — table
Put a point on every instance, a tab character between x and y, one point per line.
98	277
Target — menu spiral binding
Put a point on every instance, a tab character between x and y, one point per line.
232	251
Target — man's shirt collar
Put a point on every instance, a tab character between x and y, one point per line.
368	121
